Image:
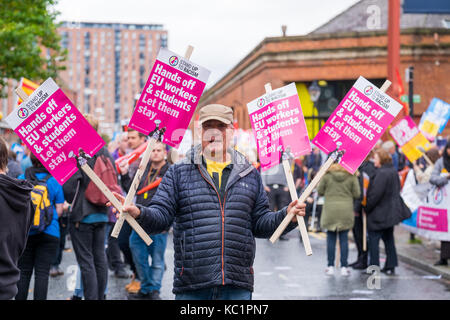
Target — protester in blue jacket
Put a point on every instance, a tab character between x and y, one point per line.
217	204
41	247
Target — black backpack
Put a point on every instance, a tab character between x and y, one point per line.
42	207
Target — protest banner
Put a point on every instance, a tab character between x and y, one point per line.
52	127
82	159
358	122
277	122
280	130
330	136
435	119
165	108
409	138
430	216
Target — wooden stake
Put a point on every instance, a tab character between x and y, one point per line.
364	220
139	173
309	189
116	203
293	192
22	94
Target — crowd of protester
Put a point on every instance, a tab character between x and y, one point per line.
340	204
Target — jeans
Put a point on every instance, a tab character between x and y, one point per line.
331	247
88	240
216	293
149	275
387	235
39	254
358	236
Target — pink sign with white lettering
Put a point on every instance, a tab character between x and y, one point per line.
52	127
278	123
169	97
357	123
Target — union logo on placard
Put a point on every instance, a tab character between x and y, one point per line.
261	102
368	90
438	195
22	113
173	61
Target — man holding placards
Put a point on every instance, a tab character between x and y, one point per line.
217	200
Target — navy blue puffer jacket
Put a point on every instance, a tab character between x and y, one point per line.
214	242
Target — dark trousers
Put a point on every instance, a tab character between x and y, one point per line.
358	236
113	250
39	254
387	235
63	230
445	250
278	198
331	247
124	244
88	240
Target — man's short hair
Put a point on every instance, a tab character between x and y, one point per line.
141	135
3	154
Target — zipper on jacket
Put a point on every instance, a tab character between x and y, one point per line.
222	210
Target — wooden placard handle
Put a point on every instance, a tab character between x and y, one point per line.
116	203
309	189
293	192
134	186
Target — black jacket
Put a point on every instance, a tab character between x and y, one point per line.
75	188
368	168
385	208
15	222
214	238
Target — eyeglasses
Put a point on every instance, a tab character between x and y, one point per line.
221	127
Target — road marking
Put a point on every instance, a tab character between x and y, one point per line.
362	292
265	273
282	276
283	268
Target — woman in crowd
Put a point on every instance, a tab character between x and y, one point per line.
339	189
384	210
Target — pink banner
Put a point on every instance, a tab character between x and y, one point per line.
51	127
432	219
358	122
169	97
277	122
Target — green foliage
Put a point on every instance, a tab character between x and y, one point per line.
29	42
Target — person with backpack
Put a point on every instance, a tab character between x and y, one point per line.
15	215
48	200
88	218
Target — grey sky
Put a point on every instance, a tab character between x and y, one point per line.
222	32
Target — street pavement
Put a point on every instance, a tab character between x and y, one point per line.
284	272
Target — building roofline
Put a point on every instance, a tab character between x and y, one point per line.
324	36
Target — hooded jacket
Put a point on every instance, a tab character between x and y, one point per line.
214	238
339	189
15	217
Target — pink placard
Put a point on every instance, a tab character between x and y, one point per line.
51	127
404	131
432	219
278	123
169	97
357	123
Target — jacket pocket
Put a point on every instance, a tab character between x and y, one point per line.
182	247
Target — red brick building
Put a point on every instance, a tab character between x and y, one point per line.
353	43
